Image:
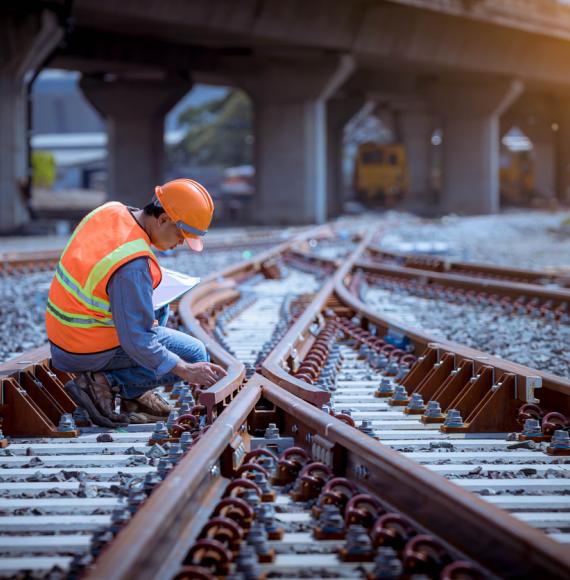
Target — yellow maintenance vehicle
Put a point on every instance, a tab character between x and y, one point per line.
380	173
516	177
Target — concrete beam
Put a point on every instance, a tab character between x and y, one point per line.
27	41
470	119
538	16
383	34
134	110
94	51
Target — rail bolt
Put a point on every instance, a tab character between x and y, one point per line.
387	564
532	428
560	439
366	427
400	396
271	432
330	525
453	419
247	563
358	546
385	389
66	423
186	440
257	538
433	410
160	432
416	403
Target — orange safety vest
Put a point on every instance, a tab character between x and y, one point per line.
78	314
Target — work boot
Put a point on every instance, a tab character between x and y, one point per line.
92	392
148	408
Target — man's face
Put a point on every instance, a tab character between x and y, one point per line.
165	234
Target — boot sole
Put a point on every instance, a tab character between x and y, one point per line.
82	399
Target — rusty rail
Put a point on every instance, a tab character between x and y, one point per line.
163	527
488	534
460	280
216	290
555	390
153	544
272	367
490	271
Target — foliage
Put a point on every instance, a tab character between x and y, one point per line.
219	132
43	169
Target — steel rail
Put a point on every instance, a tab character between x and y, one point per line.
272	366
461	280
154	542
433	263
555	390
14	260
216	290
143	549
484	532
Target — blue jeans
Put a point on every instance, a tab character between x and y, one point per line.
134	380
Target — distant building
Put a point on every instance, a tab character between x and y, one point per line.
65	124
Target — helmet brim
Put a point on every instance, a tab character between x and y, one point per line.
195	244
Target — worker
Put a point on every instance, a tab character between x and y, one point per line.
100	319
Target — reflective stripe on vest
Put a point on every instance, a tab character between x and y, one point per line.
74	287
78	313
78	320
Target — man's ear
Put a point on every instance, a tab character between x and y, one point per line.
163	218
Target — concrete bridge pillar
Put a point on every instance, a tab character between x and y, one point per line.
291	152
563	152
544	158
416	127
534	115
470	122
339	112
27	40
134	110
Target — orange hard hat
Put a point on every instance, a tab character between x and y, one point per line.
189	206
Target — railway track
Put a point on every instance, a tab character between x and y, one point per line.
525	322
26	262
485	271
308	359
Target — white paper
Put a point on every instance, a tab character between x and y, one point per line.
172	286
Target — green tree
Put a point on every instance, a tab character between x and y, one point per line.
219	132
43	169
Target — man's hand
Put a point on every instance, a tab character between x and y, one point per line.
202	373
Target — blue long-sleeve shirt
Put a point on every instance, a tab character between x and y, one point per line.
130	296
